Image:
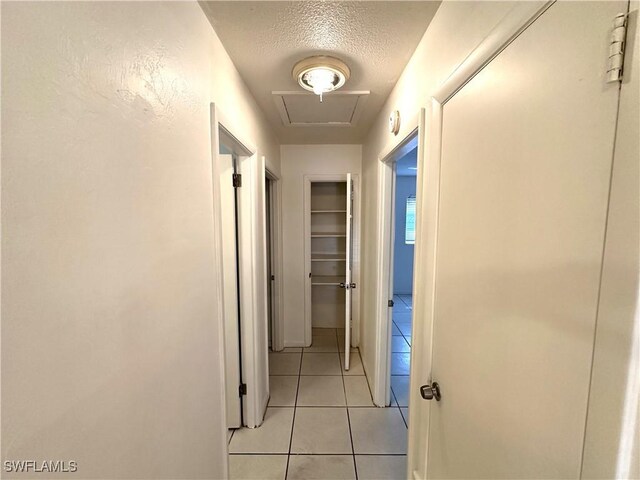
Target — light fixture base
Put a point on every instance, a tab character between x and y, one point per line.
321	74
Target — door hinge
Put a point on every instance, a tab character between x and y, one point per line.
237	180
615	63
242	390
390	303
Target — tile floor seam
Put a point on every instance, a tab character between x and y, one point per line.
346	401
293	420
399	407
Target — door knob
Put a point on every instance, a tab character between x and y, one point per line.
429	392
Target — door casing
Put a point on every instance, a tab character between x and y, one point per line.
275	217
384	278
252	263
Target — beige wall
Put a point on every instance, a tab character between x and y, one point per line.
457	28
110	342
613	416
298	161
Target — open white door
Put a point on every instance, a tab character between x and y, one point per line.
517	182
348	285
230	291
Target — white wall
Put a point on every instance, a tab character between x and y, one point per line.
454	32
298	161
110	342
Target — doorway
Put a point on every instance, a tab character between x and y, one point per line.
398	195
404	233
228	163
273	252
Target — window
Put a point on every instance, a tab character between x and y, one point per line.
410	221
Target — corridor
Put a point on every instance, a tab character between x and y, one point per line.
321	422
205	202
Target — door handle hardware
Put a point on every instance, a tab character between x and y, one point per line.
342	285
431	391
353	285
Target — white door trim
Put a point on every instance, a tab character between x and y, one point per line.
277	265
384	277
252	260
513	24
355	266
218	269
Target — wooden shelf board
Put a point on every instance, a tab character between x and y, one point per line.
328	257
329	280
327	234
328	211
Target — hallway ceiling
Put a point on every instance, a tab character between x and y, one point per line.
266	38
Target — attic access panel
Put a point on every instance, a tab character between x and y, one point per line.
303	109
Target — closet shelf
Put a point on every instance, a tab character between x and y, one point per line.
329	280
328	211
328	257
327	234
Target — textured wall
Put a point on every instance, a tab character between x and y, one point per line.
402	253
110	344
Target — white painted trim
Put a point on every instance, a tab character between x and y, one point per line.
521	16
513	24
252	261
384	276
278	98
386	209
253	293
355	266
218	293
277	263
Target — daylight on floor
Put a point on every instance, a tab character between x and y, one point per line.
298	240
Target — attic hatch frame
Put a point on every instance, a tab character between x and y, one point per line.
279	99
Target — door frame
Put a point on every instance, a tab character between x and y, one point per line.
386	238
252	263
275	213
355	262
519	18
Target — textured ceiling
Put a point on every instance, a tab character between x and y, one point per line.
266	38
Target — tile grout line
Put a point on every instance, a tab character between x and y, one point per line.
346	401
399	408
307	454
293	420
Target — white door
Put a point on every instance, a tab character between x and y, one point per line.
348	284
230	275
524	170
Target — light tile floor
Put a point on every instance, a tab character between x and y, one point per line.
321	422
401	351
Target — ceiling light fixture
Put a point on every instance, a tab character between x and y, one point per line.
321	74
